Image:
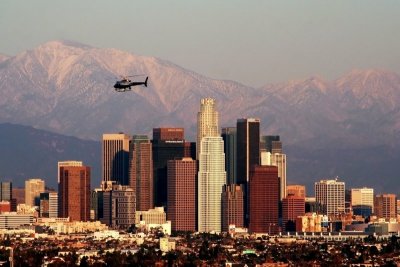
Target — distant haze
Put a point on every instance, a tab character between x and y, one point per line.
253	42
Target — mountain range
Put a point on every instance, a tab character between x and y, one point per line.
348	127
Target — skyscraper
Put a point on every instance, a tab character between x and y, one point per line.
182	185
232	206
248	154
115	158
74	193
248	147
271	143
385	206
207	121
141	172
229	137
362	201
211	175
168	144
33	188
264	199
211	178
330	195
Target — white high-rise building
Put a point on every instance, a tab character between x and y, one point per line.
330	195
212	174
207	121
33	188
211	178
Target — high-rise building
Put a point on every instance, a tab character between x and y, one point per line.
264	199
207	121
66	164
271	143
6	191
115	158
33	188
168	144
119	206
330	195
74	193
296	190
279	160
48	205
385	206
229	137
292	207
248	154
232	206
362	201
141	171
211	178
182	185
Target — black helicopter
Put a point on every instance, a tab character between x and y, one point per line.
125	84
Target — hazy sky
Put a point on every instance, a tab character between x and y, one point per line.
253	42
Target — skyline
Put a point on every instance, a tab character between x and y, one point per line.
253	43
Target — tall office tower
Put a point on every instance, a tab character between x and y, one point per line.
190	150
33	188
385	206
74	193
168	144
264	199
232	206
229	137
207	121
119	206
330	195
292	207
279	160
141	171
66	164
182	187
211	178
115	158
248	154
296	190
48	205
6	191
271	143
362	201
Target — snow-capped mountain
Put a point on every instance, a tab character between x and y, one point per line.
67	88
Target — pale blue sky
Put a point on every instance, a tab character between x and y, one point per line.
253	42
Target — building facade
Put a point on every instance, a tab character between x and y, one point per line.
232	206
296	190
33	188
292	207
207	121
362	201
74	193
229	137
141	172
6	191
182	194
330	195
48	205
167	144
385	206
115	158
264	199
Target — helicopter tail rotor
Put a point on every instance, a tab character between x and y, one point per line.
145	82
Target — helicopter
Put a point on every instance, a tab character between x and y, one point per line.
125	84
